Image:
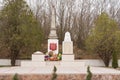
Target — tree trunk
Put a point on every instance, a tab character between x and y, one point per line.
105	57
13	61
106	62
14	55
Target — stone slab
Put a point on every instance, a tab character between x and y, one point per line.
60	70
33	64
53	63
72	64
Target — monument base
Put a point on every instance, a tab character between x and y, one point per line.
38	61
67	47
68	57
52	64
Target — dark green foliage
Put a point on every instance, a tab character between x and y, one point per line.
54	75
89	74
102	39
20	32
114	60
15	77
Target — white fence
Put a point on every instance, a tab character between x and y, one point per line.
7	62
97	62
90	62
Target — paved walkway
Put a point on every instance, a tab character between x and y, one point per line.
60	70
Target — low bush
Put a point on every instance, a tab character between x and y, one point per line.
15	77
54	75
89	74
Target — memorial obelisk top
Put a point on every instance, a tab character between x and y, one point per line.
53	34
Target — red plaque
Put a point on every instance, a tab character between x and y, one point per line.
53	46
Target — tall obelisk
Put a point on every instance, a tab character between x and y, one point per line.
53	39
53	27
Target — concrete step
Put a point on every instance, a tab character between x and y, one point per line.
33	64
52	63
72	63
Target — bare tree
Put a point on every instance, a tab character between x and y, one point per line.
76	16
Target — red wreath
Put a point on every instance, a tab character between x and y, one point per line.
53	46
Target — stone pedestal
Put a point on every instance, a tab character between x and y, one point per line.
38	56
37	60
67	57
67	47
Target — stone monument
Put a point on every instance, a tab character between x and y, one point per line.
53	39
67	48
67	44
